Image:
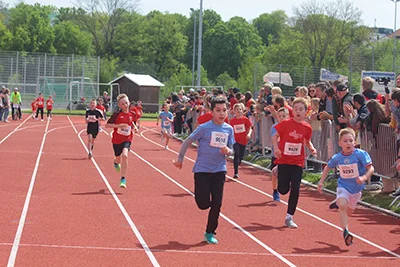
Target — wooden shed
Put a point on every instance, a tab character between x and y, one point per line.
139	87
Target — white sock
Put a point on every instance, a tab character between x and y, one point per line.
288	216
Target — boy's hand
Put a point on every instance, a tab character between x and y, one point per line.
248	137
177	164
320	185
277	153
314	152
135	129
361	179
225	150
123	125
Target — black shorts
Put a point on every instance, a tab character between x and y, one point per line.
119	147
94	131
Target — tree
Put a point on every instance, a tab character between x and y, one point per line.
5	37
30	28
225	80
102	19
69	39
326	30
69	14
271	25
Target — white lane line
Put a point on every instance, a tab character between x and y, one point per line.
222	215
146	248
15	130
268	195
332	256
21	224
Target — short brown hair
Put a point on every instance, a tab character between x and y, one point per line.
368	83
282	109
218	100
301	101
347	131
239	105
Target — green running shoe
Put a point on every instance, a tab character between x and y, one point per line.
210	239
117	167
122	183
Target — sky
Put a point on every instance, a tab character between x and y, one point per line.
383	11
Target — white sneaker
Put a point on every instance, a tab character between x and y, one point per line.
41	120
290	223
166	147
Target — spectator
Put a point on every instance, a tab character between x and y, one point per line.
312	91
343	98
16	100
376	117
356	119
267	90
297	91
176	109
249	100
325	102
367	85
6	104
106	100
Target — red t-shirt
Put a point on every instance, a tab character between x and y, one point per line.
241	128
139	111
125	134
290	109
232	102
292	137
49	104
207	117
101	107
33	105
40	102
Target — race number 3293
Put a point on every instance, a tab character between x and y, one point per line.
219	139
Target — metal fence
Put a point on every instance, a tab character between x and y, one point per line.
34	72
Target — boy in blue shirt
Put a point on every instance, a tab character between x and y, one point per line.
215	139
355	167
166	119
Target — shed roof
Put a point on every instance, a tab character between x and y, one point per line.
140	80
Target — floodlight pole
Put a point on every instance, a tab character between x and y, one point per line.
394	47
199	46
194	43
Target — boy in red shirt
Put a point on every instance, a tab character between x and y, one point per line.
292	134
242	130
40	106
49	107
33	107
139	113
123	121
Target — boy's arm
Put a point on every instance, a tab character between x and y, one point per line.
182	152
323	177
367	175
277	151
249	133
310	146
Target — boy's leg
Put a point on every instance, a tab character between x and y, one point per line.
283	178
217	182
37	113
236	159
41	113
202	190
297	173
89	142
242	148
124	161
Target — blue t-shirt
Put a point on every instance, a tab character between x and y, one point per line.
351	167
273	132
165	124
211	138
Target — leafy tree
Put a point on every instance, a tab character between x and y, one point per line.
31	29
271	26
5	37
69	14
225	80
69	39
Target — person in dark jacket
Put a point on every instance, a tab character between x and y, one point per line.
369	93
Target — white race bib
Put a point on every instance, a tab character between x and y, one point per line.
40	103
292	149
166	123
349	171
239	128
92	118
124	131
219	139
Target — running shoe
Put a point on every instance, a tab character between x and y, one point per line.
396	193
348	238
166	147
290	223
333	205
117	167
91	148
122	183
276	196
90	155
236	176
210	239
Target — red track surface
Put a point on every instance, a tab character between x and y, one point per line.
73	219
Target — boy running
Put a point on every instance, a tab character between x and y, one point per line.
92	118
281	115
215	139
293	133
39	106
49	107
166	119
242	129
33	107
355	167
123	121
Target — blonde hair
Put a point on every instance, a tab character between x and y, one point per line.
301	101
121	96
368	83
285	110
276	90
239	105
315	101
303	90
347	131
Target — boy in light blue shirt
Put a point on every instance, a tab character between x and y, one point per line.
355	167
167	118
215	139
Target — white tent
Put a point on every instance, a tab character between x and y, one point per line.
278	78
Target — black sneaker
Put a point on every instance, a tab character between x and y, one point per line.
333	205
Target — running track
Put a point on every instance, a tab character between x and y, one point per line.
60	209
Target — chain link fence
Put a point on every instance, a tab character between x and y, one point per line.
47	73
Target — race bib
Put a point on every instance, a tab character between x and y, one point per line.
40	103
124	131
349	171
292	149
92	118
219	139
16	106
239	128
166	123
